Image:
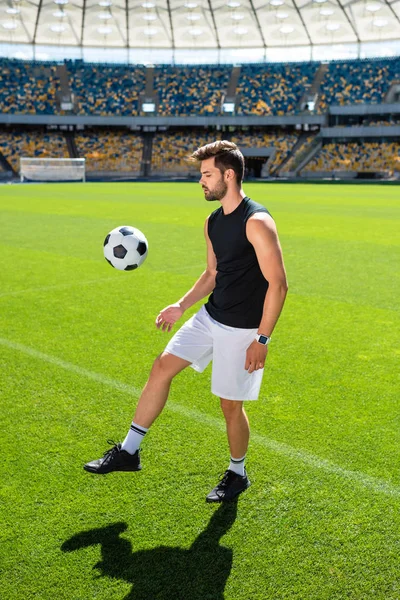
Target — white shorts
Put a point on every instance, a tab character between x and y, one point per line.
202	339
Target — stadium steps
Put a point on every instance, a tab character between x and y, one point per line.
305	99
233	81
150	95
64	98
145	167
231	94
6	166
71	145
393	94
315	89
304	157
319	75
149	89
302	138
311	91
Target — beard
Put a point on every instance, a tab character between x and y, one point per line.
217	193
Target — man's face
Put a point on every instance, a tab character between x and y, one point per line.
212	181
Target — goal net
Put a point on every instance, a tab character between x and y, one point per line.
52	169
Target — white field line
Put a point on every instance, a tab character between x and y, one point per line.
62	286
59	286
311	460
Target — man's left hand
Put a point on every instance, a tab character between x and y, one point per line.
255	356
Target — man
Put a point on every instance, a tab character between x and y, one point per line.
246	278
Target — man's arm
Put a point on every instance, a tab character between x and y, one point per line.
203	287
262	234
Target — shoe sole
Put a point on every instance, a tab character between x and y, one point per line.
220	500
97	472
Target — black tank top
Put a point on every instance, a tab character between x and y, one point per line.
240	288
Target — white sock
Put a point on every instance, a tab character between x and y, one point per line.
134	438
237	465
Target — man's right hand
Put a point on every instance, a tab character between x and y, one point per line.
168	316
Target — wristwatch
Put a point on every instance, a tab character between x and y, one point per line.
263	339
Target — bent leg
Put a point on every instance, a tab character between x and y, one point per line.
126	456
237	426
155	393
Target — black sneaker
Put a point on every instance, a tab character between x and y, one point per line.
230	486
114	459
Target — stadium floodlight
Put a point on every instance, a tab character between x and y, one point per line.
104	29
10	25
326	12
52	169
57	28
373	7
286	29
380	22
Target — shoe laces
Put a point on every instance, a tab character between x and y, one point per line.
116	447
225	479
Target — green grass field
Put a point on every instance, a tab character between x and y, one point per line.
322	518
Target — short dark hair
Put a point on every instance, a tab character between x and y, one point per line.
227	156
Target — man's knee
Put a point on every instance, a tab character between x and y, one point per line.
231	408
166	366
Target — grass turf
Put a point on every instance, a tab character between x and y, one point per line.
321	519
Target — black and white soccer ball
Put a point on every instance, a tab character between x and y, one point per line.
125	248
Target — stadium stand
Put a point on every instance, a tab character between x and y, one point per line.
290	165
106	90
262	89
180	91
357	81
273	89
358	156
27	87
110	150
172	149
32	144
281	141
194	90
378	122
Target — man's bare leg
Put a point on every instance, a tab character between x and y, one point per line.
235	480
155	393
125	456
237	427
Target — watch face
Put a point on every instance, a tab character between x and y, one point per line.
263	339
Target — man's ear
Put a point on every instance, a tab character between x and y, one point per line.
230	174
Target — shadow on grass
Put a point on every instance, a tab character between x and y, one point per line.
165	573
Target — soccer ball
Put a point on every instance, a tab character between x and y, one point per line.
125	248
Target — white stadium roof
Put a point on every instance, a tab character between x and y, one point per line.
200	25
